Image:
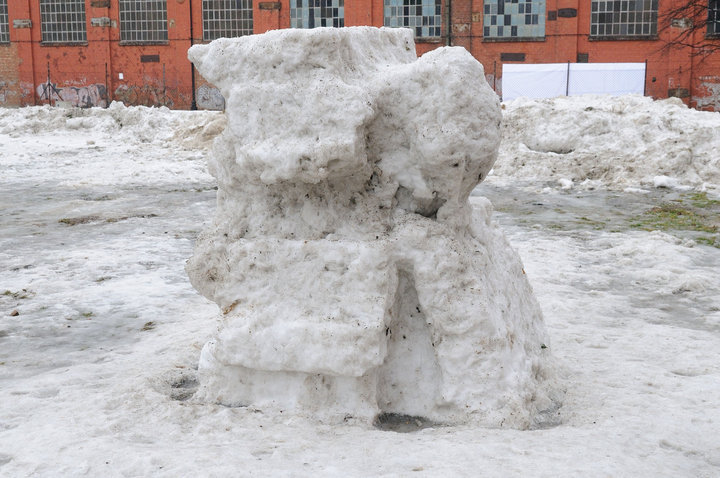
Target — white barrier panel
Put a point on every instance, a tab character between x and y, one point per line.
607	78
548	80
545	80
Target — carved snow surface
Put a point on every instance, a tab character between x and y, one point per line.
353	276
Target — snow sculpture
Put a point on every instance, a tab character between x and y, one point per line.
353	276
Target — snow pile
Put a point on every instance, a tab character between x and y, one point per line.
353	275
127	146
613	141
136	124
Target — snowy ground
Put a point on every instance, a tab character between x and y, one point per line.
100	330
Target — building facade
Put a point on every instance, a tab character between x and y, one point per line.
91	52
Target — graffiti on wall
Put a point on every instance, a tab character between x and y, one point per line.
146	95
3	92
710	86
210	98
10	93
80	96
27	93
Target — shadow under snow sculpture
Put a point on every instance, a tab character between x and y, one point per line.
353	275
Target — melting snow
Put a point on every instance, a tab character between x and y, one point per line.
100	330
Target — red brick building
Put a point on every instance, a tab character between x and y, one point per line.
89	52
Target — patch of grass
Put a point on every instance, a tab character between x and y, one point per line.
699	216
87	197
74	221
87	315
556	226
125	218
23	294
702	201
674	217
597	225
148	326
709	241
580	221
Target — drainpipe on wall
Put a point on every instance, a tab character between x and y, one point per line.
32	56
691	76
109	63
193	103
107	87
448	22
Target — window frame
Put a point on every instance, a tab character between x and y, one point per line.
213	17
299	5
125	10
493	10
4	23
713	11
626	18
430	17
54	31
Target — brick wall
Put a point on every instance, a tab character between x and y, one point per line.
104	69
9	76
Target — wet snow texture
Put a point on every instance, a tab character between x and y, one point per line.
619	141
634	316
353	276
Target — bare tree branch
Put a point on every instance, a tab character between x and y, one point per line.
693	25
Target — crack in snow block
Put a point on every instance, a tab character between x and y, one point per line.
353	275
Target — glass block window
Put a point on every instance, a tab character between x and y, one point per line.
423	16
317	13
227	18
713	25
514	19
626	18
62	21
143	21
4	24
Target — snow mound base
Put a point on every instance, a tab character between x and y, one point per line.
128	124
619	142
353	276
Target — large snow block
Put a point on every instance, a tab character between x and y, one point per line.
353	276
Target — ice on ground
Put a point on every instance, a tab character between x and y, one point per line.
354	277
97	367
624	141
